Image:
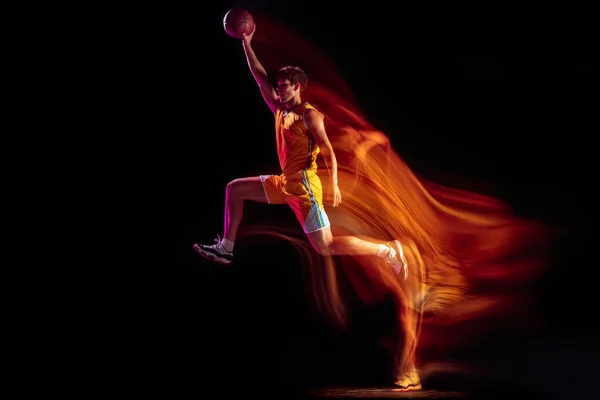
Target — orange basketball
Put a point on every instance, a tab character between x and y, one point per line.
237	21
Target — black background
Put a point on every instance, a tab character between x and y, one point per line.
492	94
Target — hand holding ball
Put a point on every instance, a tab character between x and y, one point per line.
238	21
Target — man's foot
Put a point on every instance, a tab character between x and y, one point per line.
408	381
396	259
215	252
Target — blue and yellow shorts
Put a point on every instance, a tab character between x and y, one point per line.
303	192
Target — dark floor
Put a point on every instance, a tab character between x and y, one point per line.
231	331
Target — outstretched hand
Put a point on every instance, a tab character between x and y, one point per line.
246	39
337	195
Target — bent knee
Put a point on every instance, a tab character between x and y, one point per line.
323	247
235	184
246	189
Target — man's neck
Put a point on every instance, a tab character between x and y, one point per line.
295	102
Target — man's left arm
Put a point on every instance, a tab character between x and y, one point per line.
314	122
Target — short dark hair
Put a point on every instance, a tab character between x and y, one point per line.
294	74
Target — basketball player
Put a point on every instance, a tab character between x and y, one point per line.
300	137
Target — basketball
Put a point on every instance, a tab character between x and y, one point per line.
238	21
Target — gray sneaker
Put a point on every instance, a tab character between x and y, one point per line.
214	252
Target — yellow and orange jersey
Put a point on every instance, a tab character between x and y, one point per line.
296	148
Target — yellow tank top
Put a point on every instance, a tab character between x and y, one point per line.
296	148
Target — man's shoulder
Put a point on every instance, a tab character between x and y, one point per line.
308	107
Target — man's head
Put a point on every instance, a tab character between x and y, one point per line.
291	81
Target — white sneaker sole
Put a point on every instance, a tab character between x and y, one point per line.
211	256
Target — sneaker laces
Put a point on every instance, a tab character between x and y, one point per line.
217	241
220	246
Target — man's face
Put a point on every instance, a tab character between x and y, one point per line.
285	90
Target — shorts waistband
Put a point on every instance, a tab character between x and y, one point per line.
298	175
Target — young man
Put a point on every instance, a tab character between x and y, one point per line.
300	136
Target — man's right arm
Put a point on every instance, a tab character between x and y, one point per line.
259	73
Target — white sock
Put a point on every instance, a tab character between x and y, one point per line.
228	244
384	251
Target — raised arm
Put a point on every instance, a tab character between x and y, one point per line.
259	73
314	122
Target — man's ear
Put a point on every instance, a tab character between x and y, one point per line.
297	86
